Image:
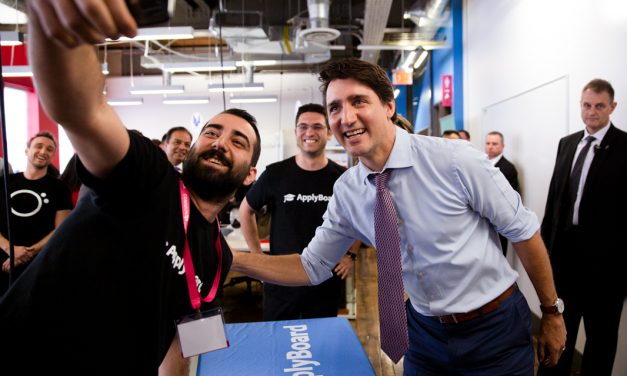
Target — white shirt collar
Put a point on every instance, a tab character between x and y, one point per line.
598	135
496	159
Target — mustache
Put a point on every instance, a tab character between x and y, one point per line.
217	154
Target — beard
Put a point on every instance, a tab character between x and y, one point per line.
208	184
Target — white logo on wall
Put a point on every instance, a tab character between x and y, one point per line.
40	199
196	119
288	197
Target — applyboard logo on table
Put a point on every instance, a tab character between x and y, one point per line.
301	356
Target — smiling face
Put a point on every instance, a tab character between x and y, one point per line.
221	159
177	147
40	152
312	133
596	109
360	121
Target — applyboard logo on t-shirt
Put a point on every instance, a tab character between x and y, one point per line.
177	262
306	198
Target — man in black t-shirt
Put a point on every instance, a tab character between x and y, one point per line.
39	203
297	191
103	295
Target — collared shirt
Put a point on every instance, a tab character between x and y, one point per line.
496	159
598	138
450	201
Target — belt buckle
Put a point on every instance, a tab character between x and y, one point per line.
444	321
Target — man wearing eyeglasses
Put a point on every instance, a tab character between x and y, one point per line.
296	192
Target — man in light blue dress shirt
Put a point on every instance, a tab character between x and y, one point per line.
465	313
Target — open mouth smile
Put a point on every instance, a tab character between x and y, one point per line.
355	132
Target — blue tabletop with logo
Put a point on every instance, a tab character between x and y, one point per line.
317	347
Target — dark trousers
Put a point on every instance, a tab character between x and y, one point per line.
601	326
498	343
588	296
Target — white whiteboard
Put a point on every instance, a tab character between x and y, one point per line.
532	124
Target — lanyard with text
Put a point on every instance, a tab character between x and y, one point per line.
190	274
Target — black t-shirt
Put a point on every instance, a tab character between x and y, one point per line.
34	205
297	199
104	294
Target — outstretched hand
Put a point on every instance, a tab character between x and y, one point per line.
71	23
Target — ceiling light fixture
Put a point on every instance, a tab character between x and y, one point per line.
186	100
218	88
125	101
157	89
201	66
160	33
17	71
425	44
254	99
11	38
27	71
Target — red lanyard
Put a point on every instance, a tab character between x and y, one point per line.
190	275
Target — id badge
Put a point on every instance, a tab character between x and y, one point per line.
202	332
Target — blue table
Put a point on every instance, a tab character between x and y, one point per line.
318	347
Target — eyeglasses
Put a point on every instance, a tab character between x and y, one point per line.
315	127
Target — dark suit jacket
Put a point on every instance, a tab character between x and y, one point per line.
508	169
602	211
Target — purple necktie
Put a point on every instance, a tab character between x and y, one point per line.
392	316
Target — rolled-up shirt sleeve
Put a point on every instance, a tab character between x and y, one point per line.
490	194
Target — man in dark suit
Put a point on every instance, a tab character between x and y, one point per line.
583	227
494	144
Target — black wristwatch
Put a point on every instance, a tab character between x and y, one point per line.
557	308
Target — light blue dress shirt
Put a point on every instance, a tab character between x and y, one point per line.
450	203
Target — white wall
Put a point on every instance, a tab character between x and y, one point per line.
512	48
15	107
153	118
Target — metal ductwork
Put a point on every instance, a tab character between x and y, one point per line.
318	30
427	16
376	17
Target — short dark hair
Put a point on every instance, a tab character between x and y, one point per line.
496	133
599	85
312	107
250	119
448	132
464	132
45	134
366	73
168	134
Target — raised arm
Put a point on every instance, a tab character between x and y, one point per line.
67	74
535	259
248	219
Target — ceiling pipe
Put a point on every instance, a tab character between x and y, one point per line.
318	13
